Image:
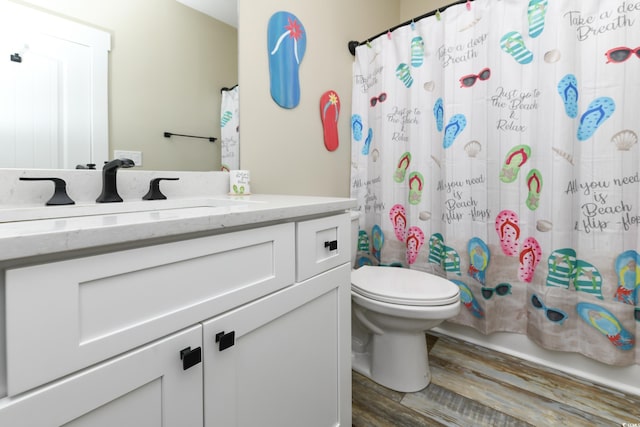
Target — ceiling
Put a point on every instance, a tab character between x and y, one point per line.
222	10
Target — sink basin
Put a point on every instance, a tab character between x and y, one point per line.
31	213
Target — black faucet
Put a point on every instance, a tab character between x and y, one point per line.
109	189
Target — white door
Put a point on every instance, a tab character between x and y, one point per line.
44	103
147	387
53	90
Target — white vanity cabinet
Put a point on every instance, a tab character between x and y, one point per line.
244	328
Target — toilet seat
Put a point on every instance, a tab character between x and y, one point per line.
403	286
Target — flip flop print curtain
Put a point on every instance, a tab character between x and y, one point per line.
496	143
229	129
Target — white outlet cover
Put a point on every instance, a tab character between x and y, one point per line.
136	156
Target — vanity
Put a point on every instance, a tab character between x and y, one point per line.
200	310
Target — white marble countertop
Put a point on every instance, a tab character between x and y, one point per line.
28	238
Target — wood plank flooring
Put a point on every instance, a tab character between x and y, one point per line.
475	386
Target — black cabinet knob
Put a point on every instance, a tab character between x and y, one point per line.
332	245
225	340
190	357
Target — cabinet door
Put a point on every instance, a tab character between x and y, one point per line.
289	361
147	387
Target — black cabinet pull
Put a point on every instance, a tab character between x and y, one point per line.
190	357
225	340
332	245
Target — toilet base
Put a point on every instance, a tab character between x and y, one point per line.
397	360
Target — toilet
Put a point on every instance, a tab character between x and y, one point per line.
392	308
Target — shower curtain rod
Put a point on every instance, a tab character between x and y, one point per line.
353	44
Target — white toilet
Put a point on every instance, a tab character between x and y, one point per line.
391	310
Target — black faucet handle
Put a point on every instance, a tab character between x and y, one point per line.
154	192
87	166
60	196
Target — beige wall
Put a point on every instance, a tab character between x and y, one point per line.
284	148
167	65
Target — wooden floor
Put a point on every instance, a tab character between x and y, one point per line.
474	386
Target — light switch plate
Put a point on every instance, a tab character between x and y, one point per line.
136	156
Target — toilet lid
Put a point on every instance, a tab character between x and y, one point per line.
403	286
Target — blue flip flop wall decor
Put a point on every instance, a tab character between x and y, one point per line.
286	46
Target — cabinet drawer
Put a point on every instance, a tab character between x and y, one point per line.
66	315
322	244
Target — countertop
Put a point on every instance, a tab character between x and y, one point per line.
29	238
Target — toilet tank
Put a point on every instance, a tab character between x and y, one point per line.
355	228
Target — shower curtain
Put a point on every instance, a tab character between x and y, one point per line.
495	143
229	129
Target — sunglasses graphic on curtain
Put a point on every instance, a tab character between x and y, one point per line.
471	79
621	54
380	98
553	314
502	289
